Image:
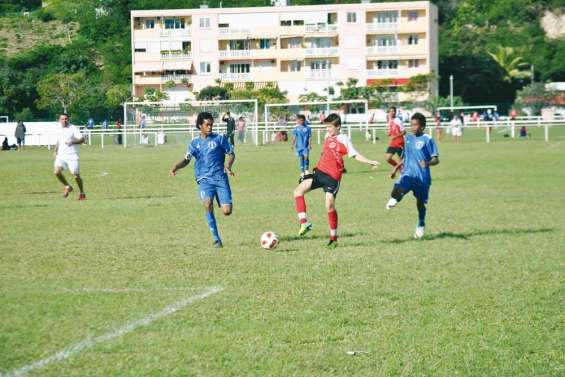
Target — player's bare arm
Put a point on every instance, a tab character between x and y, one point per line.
179	165
231	159
433	161
365	160
76	142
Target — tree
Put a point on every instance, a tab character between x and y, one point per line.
154	95
311	97
213	93
535	96
511	66
60	90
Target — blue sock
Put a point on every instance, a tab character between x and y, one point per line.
212	225
306	164
421	214
301	164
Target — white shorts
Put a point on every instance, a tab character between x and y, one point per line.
71	165
456	131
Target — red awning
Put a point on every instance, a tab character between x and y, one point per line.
392	82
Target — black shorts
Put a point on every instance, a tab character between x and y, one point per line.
393	150
327	183
20	140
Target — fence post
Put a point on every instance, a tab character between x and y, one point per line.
102	139
318	130
546	132
374	132
89	137
487	130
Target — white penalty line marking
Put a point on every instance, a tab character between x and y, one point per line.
115	333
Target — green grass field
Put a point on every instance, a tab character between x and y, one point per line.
482	295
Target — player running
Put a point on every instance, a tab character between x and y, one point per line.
302	143
396	133
209	150
67	155
420	153
327	175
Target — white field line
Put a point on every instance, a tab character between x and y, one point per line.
113	334
94	290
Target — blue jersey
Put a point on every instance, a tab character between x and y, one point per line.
302	135
210	154
416	149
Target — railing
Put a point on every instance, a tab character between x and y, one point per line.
377	50
382	26
320	28
176	55
175	78
320	73
235	53
321	51
228	30
171	32
382	72
235	76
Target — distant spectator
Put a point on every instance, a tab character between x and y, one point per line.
241	130
142	122
118	137
90	123
475	117
513	114
524	132
322	117
230	127
438	126
6	146
456	125
20	135
105	124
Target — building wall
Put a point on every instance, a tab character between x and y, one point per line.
161	57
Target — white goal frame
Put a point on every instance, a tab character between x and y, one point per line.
5	117
254	124
316	103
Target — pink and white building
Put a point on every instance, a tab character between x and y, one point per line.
299	48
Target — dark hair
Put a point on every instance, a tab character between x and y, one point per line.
202	117
392	108
420	118
65	114
301	116
334	119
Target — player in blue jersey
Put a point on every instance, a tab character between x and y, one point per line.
420	152
302	143
210	150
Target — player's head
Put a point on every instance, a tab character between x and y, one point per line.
417	123
64	119
392	112
300	119
333	124
204	122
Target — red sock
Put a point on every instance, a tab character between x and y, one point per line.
392	162
301	209
332	218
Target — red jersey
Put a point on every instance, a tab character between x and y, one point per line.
395	128
331	161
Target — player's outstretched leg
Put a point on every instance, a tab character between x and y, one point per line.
68	188
419	233
299	191
332	220
80	184
211	220
395	196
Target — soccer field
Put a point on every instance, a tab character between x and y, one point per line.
127	283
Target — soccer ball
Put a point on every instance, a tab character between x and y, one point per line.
269	240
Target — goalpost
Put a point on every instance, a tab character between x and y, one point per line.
351	112
159	119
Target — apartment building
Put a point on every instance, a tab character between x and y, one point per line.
299	48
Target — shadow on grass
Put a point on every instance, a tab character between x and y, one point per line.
468	235
316	237
142	197
20	206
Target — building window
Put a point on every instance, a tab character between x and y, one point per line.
204	23
240	68
295	66
320	65
205	67
413	39
174	23
140	50
286	23
388	40
150	24
351	17
264	44
295	43
413	63
298	22
412	15
240	44
387	64
390	17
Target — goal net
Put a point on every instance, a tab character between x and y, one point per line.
156	123
280	118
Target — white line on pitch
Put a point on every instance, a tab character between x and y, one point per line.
96	290
115	333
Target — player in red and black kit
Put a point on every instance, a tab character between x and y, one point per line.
396	133
327	175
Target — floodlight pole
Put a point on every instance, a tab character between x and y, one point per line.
451	91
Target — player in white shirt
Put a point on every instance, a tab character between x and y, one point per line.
67	155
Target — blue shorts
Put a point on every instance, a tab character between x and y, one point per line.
302	152
220	190
420	190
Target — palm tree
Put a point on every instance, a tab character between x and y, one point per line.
511	67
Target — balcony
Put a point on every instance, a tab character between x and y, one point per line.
227	31
320	28
382	73
235	53
382	26
382	50
320	51
321	74
176	55
229	76
177	79
175	32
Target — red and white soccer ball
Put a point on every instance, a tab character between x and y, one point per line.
269	240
